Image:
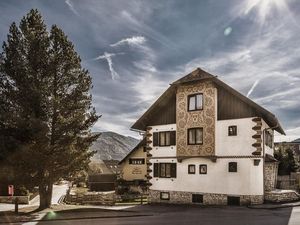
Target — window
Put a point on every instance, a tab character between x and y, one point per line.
137	161
232	131
195	102
268	139
192	169
195	136
164	170
164	138
196	198
232	167
203	169
164	195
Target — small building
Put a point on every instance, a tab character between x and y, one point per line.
133	167
102	182
112	165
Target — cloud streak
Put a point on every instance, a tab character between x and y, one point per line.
71	7
252	88
133	41
107	57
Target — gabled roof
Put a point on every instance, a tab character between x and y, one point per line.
140	144
198	75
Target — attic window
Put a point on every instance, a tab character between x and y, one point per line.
195	102
136	161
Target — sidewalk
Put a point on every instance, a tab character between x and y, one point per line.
275	205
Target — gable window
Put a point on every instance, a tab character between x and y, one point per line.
195	136
164	170
164	138
195	102
232	130
203	169
192	169
137	161
232	167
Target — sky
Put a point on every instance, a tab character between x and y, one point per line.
135	49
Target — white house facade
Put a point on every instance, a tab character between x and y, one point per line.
208	144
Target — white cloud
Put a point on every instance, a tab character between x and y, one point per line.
71	7
107	57
134	40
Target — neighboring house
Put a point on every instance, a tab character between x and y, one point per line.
112	165
208	144
133	167
293	145
102	182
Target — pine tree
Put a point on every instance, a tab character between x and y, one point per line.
45	106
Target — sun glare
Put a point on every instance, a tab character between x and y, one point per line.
265	7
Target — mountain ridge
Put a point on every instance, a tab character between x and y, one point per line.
111	145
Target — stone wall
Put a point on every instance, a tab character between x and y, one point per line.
282	196
204	118
180	197
97	198
271	169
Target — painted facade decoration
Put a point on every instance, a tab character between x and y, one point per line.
204	118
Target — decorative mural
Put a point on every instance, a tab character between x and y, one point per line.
203	118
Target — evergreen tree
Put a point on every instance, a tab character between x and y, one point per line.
45	106
287	160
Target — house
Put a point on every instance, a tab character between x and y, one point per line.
208	144
133	166
112	165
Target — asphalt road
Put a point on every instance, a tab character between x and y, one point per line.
183	215
58	192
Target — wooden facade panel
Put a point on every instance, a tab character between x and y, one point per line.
166	113
231	107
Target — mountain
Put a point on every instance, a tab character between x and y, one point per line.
296	141
111	145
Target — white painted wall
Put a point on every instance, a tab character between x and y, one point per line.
235	145
167	151
247	181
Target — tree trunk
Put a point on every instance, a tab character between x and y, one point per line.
45	191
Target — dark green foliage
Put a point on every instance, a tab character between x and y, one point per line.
287	160
45	106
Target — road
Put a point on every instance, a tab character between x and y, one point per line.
58	192
184	215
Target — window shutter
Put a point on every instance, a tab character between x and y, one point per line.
130	161
155	169
173	138
155	139
173	170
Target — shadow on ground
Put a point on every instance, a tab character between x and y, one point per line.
170	214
